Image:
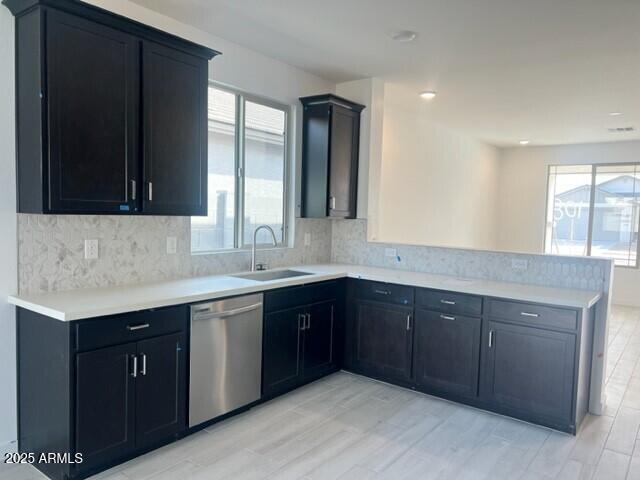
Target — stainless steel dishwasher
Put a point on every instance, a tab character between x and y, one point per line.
226	356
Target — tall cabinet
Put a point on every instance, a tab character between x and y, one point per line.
111	114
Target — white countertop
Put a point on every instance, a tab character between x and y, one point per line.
95	302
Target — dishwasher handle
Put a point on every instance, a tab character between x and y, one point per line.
206	313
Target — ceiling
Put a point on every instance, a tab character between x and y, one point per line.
549	71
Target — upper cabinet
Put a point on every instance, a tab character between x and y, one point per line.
111	114
330	148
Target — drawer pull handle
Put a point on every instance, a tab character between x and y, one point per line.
383	292
490	338
527	314
141	326
448	302
447	317
409	322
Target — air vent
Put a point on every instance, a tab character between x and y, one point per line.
622	129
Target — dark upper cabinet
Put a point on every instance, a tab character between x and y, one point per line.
174	87
447	352
92	89
529	371
105	403
160	388
111	114
330	149
382	339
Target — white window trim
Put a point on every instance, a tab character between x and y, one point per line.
594	168
239	159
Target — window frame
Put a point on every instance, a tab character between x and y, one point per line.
592	199
241	97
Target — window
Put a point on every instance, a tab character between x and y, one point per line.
248	153
594	210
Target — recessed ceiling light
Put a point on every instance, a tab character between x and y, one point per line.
615	114
524	142
404	36
428	94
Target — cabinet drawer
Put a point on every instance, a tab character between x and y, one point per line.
130	327
536	315
384	292
290	297
447	302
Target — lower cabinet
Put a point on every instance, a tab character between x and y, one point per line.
298	342
382	339
115	386
447	352
530	371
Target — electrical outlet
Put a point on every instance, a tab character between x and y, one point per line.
519	264
390	252
307	239
172	245
91	249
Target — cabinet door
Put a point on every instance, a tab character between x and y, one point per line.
447	352
160	389
174	93
343	163
529	370
105	410
383	339
318	339
281	365
92	92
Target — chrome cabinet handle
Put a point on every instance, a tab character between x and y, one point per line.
447	317
134	370
308	315
332	203
150	191
141	326
490	338
527	314
143	370
382	292
409	322
302	321
133	189
448	302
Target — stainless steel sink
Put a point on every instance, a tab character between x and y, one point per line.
266	275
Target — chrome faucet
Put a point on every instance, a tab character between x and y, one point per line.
253	246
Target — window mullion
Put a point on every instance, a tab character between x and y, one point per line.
592	208
240	168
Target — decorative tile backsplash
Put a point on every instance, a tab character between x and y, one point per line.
133	250
349	245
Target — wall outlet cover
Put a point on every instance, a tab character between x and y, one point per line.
172	245
391	252
519	264
91	249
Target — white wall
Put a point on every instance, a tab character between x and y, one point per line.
523	185
437	187
8	247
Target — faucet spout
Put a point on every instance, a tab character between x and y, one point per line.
253	246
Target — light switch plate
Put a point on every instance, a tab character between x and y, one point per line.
390	252
172	245
519	264
91	248
307	239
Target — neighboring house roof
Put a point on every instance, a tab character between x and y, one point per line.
622	186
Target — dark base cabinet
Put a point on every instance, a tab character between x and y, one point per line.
114	386
300	334
528	361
